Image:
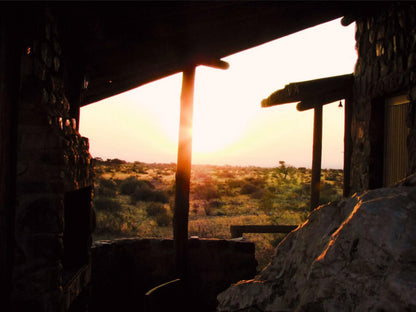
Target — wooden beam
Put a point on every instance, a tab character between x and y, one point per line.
320	91
316	157
324	99
215	63
238	230
183	173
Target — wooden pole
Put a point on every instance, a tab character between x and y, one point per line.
183	173
347	146
316	157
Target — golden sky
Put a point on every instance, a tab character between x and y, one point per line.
230	127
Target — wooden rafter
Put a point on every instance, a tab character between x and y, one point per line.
312	93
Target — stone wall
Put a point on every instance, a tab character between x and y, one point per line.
386	46
123	270
52	160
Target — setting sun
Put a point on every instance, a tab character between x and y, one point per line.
229	125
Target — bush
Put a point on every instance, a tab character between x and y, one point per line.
249	188
105	192
267	202
129	185
106	188
159	212
144	192
206	191
105	203
107	183
154	209
163	219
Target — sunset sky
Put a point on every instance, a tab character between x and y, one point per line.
230	127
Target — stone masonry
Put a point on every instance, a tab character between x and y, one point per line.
52	160
386	47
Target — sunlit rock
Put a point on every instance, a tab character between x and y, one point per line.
355	255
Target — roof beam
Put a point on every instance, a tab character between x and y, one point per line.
312	92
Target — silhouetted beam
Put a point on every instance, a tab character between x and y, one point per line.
183	173
215	63
238	230
316	157
320	101
320	91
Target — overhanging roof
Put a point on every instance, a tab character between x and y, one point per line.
122	45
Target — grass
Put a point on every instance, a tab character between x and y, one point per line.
136	199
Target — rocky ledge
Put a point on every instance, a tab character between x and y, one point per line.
358	254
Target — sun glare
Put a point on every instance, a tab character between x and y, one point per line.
229	126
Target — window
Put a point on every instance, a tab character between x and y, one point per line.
395	165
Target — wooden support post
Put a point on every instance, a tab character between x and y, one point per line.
183	173
347	146
316	157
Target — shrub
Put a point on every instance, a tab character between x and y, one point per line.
266	202
105	203
159	212
154	209
109	183
129	185
163	219
106	188
249	188
328	194
235	183
144	192
105	192
206	191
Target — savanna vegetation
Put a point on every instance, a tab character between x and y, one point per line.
137	199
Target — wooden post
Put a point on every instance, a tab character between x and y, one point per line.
347	146
183	173
316	157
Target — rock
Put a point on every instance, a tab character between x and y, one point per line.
355	255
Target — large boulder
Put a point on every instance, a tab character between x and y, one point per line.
355	255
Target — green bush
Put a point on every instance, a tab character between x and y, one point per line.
154	209
109	183
206	191
145	192
328	194
249	188
105	203
163	219
129	185
267	202
105	192
159	212
105	187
